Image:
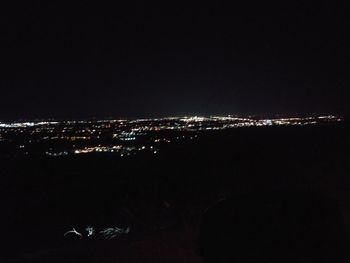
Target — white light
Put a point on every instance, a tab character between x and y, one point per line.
73	231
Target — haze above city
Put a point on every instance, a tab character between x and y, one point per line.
143	60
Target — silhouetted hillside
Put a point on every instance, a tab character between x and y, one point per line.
162	197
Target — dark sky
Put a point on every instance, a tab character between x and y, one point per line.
139	60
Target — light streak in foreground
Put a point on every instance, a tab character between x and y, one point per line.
106	233
75	232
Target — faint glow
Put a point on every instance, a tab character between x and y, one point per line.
113	232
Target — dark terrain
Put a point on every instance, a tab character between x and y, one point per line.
162	198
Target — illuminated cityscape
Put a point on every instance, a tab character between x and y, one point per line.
128	137
141	131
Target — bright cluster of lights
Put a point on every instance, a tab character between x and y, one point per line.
122	150
115	148
128	137
26	124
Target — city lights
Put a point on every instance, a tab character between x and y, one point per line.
128	137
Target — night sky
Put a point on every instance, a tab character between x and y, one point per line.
142	60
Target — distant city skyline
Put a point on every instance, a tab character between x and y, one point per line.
128	137
120	118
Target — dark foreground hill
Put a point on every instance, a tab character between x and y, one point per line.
162	198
